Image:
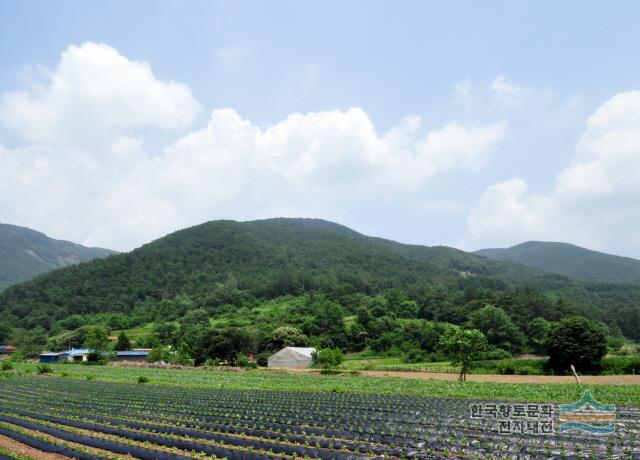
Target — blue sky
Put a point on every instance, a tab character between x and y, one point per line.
504	92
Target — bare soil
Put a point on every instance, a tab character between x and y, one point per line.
587	379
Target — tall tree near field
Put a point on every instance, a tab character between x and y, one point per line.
578	341
498	327
97	339
287	336
462	347
123	343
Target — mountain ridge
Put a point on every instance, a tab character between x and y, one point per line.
570	260
229	264
26	253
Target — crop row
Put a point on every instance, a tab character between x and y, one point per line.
176	422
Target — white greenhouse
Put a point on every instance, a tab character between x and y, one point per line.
291	357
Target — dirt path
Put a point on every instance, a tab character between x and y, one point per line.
22	449
586	379
590	380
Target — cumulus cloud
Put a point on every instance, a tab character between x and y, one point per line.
93	93
84	172
594	201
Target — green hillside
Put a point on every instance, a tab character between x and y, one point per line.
25	254
569	260
337	286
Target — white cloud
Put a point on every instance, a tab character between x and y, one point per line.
507	93
84	173
94	92
594	201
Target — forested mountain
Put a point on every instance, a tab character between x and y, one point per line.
228	268
569	260
25	253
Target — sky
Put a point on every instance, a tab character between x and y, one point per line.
464	123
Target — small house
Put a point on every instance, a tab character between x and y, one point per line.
292	358
78	355
134	356
7	349
50	357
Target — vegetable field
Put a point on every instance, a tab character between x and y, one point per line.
90	419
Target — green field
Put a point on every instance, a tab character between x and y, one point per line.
348	383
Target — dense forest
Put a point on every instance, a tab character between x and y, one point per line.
227	282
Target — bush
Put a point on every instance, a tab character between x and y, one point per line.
615	343
495	354
6	365
17	357
242	360
213	362
414	356
263	358
506	368
620	366
143	379
327	358
44	369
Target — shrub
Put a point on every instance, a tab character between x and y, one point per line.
143	379
495	354
619	365
6	365
17	357
327	358
44	369
213	362
242	360
414	356
506	368
330	371
615	343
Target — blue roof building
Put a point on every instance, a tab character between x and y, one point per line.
49	357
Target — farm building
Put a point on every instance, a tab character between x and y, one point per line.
7	349
50	357
78	354
291	357
139	356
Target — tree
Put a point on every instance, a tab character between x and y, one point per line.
223	344
29	342
537	331
123	343
327	358
462	347
287	336
97	339
5	331
166	332
578	341
498	328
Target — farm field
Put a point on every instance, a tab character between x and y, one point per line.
92	420
263	379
